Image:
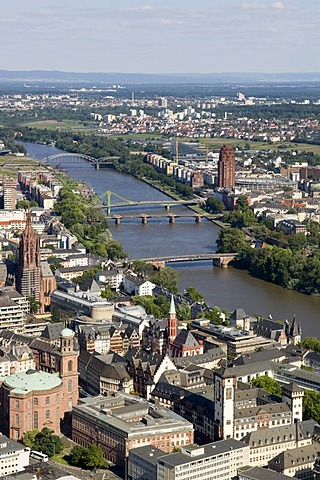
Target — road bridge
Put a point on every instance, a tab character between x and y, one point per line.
219	259
145	217
77	158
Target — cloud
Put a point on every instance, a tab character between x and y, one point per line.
278	5
259	6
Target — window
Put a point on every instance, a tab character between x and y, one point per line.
35	401
47	414
16	420
47	400
70	366
35	419
16	404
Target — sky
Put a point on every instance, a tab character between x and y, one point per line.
160	36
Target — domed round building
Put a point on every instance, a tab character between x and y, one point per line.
31	399
37	398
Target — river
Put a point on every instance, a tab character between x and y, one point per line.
228	289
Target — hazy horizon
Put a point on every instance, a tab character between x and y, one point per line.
172	37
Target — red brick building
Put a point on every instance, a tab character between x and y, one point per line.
226	167
182	344
37	399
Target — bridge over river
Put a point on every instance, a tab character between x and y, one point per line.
219	259
145	217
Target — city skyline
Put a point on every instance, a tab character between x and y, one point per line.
171	37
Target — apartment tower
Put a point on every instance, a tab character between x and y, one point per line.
9	193
226	167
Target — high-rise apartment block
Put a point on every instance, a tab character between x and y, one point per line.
9	193
227	167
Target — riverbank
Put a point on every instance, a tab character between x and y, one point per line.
228	288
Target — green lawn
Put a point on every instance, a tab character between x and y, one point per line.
65	125
10	165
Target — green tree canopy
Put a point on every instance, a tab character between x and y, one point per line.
194	295
44	441
166	277
88	457
312	343
268	384
311	405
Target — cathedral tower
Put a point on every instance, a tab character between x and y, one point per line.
28	274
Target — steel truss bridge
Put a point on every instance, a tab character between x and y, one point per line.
77	159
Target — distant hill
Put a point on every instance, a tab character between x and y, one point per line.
156	78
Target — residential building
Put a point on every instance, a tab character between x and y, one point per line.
100	374
226	168
12	311
266	443
296	462
9	193
258	473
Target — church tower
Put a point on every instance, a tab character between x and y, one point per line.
67	366
28	274
172	322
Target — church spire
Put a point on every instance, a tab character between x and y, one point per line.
172	310
172	322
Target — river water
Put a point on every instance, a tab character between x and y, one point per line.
228	289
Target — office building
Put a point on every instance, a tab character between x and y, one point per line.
119	422
214	460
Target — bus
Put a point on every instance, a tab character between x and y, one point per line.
41	457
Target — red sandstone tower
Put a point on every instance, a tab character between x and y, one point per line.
227	167
28	274
172	322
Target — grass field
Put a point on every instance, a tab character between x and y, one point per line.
65	125
10	165
219	142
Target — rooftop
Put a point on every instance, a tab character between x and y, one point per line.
31	380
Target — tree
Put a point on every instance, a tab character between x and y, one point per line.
311	343
34	305
29	438
88	457
44	441
77	456
184	312
213	205
268	384
141	268
107	293
95	458
298	242
115	250
215	315
231	240
194	295
311	405
166	277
